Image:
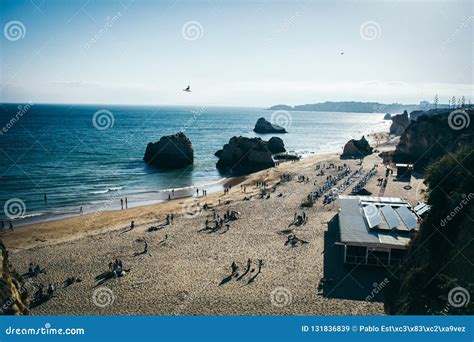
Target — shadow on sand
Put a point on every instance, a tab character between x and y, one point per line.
354	282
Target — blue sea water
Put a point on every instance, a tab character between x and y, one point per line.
77	159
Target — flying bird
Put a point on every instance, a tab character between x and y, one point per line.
188	89
342	53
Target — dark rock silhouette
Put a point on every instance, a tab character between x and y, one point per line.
356	148
171	152
244	155
276	145
399	123
431	137
264	126
387	116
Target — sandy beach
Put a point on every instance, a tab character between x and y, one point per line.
182	270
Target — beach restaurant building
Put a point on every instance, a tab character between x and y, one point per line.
375	230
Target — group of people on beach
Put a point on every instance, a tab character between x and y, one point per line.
116	267
44	293
126	203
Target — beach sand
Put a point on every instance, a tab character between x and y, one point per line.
183	269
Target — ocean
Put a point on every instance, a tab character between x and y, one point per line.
90	156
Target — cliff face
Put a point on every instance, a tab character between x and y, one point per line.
13	297
399	123
436	277
429	138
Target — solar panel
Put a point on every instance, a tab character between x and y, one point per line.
390	216
372	214
407	217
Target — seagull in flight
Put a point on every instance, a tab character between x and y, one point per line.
342	53
188	89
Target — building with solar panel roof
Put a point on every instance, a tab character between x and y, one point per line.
375	230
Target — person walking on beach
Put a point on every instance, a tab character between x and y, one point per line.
121	203
11	225
81	211
126	203
197	192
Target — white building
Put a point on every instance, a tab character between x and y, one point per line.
375	230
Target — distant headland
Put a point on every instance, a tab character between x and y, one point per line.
358	107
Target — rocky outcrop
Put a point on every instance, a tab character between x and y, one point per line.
431	137
244	155
387	116
357	148
276	145
264	126
13	295
170	152
399	123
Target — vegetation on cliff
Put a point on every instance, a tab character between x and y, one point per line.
437	277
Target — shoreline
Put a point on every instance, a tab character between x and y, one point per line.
179	267
135	200
31	235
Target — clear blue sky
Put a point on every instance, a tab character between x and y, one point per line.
248	53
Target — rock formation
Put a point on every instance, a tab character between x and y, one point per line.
13	295
387	116
430	137
399	123
244	155
276	145
264	126
356	148
171	152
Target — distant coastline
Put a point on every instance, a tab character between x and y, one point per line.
358	107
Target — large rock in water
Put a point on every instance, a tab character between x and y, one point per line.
244	155
356	148
399	123
171	152
264	126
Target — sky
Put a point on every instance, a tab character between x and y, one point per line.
236	53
